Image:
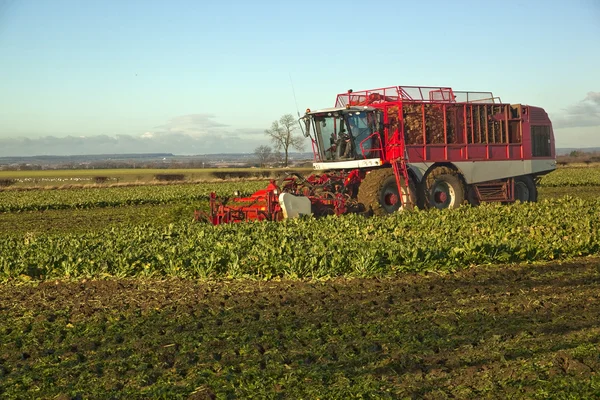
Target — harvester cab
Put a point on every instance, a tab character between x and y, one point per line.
344	133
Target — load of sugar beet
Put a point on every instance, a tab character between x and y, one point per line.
413	123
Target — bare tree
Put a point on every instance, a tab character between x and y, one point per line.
282	135
264	154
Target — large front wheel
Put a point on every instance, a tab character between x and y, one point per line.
379	194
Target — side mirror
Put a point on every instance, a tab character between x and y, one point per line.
306	131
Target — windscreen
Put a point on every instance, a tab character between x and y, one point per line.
347	135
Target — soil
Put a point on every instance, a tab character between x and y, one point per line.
489	332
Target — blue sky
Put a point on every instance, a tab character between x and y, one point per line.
195	77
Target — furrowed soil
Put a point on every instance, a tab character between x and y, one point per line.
486	332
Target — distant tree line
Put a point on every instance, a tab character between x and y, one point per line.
111	164
579	157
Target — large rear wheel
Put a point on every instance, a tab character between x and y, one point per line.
525	189
443	189
379	194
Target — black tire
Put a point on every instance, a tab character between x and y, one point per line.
378	193
443	189
472	198
525	189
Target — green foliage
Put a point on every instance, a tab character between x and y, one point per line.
507	333
350	245
575	153
36	200
584	176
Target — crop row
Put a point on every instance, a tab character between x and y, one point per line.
585	176
35	200
335	246
83	198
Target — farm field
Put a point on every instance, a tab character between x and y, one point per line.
80	198
578	180
80	210
572	176
91	219
82	177
504	331
349	245
114	291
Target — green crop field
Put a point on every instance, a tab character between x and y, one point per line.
114	292
79	198
351	245
489	332
583	176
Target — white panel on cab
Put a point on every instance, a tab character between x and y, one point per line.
294	206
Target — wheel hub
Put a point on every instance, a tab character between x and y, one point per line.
391	199
441	197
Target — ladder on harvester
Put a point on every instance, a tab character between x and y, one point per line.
401	173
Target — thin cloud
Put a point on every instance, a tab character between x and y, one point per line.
583	114
176	143
191	124
183	135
